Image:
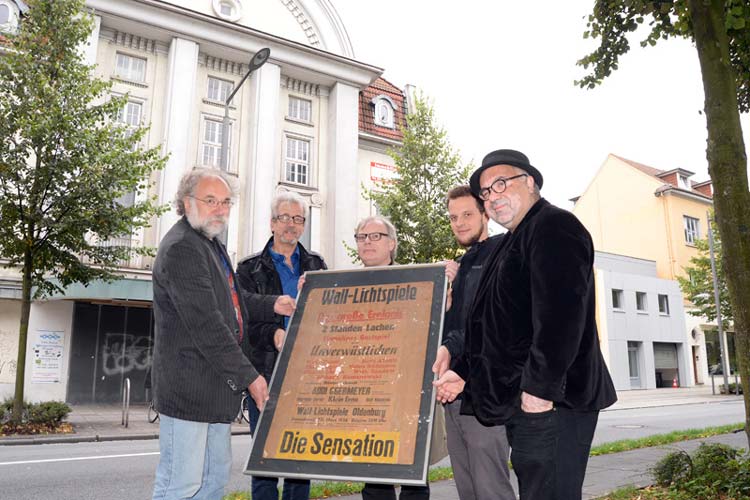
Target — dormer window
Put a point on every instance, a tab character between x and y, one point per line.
385	111
231	10
683	182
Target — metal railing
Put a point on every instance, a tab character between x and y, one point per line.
126	402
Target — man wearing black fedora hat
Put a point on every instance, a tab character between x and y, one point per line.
531	359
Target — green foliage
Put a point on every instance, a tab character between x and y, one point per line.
698	286
714	471
49	412
612	21
673	468
65	161
415	203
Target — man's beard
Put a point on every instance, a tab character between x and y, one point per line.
471	239
210	227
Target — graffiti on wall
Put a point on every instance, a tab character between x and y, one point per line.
124	353
8	354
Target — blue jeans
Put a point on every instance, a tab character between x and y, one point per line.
267	488
195	459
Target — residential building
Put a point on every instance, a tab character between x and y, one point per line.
313	119
635	210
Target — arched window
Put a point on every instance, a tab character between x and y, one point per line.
4	14
384	112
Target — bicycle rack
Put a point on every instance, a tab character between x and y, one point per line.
126	402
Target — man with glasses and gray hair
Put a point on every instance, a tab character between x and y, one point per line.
198	369
377	245
276	270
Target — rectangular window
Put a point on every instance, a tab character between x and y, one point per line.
297	161
692	229
663	304
218	89
640	301
130	67
617	299
300	109
211	147
130	115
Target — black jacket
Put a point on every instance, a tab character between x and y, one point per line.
198	368
463	289
532	324
257	274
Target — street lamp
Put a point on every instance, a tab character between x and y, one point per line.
722	342
258	60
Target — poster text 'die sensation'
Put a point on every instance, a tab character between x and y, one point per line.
343	446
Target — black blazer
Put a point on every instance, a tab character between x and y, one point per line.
199	370
532	324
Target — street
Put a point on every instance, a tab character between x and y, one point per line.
125	469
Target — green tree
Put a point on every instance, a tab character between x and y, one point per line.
65	163
720	30
698	286
427	168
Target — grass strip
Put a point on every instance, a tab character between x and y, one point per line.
338	488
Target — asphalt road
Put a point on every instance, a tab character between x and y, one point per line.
124	470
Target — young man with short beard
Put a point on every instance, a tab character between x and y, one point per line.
479	454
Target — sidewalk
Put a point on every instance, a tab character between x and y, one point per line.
604	474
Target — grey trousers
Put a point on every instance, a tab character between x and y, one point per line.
479	456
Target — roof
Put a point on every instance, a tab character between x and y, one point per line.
661	174
379	87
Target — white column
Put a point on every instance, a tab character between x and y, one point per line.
88	51
180	105
261	173
342	174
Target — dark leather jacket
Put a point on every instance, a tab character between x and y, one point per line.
257	274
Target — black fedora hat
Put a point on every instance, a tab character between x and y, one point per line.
505	157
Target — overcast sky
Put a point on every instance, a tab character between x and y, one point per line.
500	75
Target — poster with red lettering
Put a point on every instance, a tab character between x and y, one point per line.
351	397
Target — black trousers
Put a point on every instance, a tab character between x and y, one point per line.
549	452
388	492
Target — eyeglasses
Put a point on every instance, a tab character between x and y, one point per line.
361	237
498	186
214	203
285	218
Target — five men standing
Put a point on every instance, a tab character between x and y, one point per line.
521	344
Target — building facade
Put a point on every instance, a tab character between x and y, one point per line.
641	324
312	119
639	211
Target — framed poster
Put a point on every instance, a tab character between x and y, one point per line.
351	397
47	349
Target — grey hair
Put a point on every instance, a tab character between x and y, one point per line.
190	180
389	228
289	197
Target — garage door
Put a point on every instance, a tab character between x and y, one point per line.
665	356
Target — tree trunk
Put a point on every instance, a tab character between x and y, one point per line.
23	333
727	164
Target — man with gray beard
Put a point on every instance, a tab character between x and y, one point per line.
198	370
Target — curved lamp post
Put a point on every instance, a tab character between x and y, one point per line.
258	60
